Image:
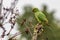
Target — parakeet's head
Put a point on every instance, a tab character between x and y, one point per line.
35	10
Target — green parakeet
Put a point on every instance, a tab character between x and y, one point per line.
40	16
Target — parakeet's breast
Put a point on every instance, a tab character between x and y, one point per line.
37	13
36	16
40	16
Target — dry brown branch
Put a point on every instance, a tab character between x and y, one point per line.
5	15
37	31
16	34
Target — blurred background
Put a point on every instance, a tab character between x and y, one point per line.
50	8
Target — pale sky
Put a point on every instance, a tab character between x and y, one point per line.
52	5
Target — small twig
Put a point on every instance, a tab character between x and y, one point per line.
28	29
9	31
1	6
22	23
16	34
31	25
3	34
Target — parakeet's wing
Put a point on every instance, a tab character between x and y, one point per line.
42	17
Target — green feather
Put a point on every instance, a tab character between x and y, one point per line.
40	16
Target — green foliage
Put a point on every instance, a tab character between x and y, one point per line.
28	20
29	16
